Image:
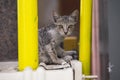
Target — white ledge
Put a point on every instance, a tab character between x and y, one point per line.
41	73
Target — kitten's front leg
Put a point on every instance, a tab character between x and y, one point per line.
53	55
64	54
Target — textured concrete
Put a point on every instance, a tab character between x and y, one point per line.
8	30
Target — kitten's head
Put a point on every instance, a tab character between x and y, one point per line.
65	24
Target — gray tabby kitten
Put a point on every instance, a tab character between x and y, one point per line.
50	38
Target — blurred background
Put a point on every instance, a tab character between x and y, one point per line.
109	30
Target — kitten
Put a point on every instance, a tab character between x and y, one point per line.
51	36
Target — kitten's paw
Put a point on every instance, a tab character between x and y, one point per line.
62	62
68	58
65	64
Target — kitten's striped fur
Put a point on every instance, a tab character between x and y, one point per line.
52	35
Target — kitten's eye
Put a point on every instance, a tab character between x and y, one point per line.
60	26
70	26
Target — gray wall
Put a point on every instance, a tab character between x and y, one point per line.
114	37
8	30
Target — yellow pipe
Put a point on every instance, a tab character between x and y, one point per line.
27	34
85	35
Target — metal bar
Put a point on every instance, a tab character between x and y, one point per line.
27	34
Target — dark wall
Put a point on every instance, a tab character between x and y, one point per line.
114	37
103	38
8	30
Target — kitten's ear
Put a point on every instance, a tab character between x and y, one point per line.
55	16
75	14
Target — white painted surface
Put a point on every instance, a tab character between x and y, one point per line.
41	73
77	67
61	74
11	76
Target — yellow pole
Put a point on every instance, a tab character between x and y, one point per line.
85	35
27	34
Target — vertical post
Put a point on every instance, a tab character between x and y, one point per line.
85	35
27	34
95	40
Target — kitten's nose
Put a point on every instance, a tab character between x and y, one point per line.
65	33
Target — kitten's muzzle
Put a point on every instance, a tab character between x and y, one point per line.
65	33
